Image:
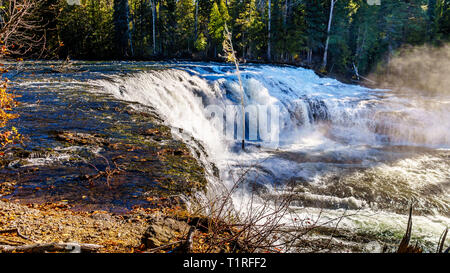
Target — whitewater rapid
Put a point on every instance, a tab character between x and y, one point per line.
339	147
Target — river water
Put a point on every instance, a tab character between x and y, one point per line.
336	148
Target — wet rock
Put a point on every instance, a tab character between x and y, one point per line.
140	113
81	138
112	165
151	132
163	230
102	216
169	151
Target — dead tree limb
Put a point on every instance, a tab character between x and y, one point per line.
164	246
51	247
442	241
22	29
404	246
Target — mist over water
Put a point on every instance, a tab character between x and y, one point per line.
417	70
340	147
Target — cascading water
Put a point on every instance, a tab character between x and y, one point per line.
341	147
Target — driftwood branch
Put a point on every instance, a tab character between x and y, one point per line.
22	27
164	246
51	247
231	57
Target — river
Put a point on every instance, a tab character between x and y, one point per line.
334	148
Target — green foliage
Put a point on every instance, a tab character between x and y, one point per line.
185	23
86	31
444	20
141	14
167	25
216	26
360	35
249	29
123	46
201	43
316	23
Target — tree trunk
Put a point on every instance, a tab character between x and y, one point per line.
196	20
325	53
309	56
269	34
154	25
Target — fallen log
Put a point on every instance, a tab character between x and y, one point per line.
51	247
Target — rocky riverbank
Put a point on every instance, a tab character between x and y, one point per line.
146	230
91	169
130	160
99	188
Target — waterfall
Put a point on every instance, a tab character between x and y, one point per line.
321	131
352	113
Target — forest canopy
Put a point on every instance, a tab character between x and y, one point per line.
350	33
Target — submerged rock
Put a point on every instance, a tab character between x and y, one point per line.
81	138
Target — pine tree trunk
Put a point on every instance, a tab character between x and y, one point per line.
196	20
154	25
325	53
309	56
285	15
269	30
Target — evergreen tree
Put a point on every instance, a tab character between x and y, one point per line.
360	36
216	26
431	12
251	31
86	31
122	35
444	20
167	26
316	25
185	24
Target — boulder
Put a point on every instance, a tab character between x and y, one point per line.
163	230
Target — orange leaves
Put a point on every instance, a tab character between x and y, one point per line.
7	103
